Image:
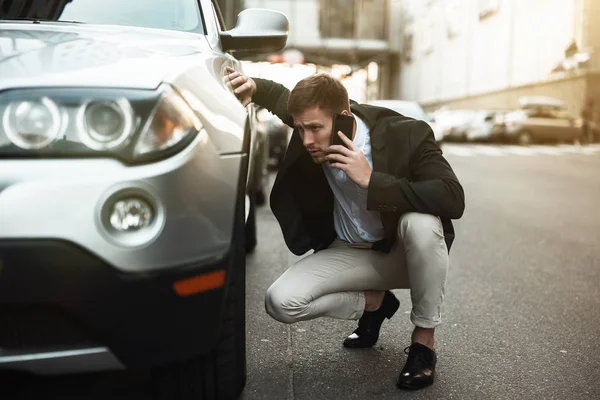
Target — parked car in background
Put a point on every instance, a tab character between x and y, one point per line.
484	125
411	109
277	134
454	124
498	133
261	156
126	186
542	119
258	177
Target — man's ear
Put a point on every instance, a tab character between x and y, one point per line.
345	112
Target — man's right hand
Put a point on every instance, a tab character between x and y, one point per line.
243	86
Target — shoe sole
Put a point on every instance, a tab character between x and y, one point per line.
412	387
351	346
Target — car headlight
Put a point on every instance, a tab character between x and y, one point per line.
132	125
32	124
104	125
170	122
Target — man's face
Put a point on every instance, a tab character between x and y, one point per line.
314	126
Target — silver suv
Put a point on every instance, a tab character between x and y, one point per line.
125	177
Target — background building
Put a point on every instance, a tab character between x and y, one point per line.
487	53
476	54
230	9
356	39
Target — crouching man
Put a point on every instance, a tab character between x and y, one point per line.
376	211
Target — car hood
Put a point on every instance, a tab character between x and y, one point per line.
75	55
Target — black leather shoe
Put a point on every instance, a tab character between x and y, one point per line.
367	333
419	370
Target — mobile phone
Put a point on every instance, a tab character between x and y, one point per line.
343	123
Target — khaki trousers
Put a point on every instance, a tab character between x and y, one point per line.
331	282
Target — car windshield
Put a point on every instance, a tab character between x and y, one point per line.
180	15
543	111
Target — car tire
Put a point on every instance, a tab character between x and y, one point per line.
251	229
525	138
280	158
261	197
221	374
259	183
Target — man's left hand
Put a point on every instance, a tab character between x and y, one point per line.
350	160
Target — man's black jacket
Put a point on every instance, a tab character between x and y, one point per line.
409	175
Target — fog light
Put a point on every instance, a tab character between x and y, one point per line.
132	214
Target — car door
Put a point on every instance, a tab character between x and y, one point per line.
215	24
566	126
488	125
476	129
257	169
540	122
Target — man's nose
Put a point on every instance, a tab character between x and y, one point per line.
308	139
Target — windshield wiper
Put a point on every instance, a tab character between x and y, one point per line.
38	20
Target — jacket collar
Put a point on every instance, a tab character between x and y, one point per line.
371	115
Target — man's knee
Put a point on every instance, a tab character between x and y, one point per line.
420	231
283	306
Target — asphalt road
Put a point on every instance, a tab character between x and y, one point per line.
522	312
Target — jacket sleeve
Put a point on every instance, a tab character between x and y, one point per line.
274	97
433	187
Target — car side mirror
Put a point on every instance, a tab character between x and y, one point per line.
257	31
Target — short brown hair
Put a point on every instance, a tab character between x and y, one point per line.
320	90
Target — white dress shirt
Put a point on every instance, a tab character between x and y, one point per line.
353	223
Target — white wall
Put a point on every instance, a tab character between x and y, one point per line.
518	45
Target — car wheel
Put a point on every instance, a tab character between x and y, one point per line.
525	138
221	374
250	231
261	197
260	178
280	158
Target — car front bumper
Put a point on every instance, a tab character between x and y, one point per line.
75	297
64	310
